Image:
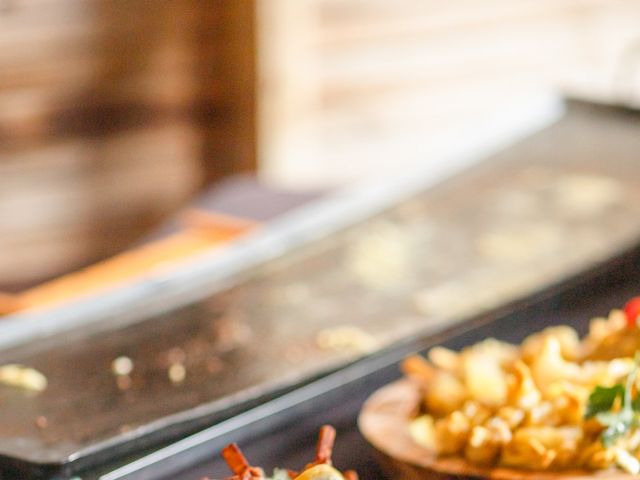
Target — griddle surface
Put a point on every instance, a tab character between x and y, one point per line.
516	224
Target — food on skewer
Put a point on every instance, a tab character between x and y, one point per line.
319	469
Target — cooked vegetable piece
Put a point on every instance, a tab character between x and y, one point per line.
632	311
320	472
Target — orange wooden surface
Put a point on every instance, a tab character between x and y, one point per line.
203	231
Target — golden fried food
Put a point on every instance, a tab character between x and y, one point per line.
554	402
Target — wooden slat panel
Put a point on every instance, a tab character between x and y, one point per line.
353	86
97	139
112	112
88	210
370	20
227	75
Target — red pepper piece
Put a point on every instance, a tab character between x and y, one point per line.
632	311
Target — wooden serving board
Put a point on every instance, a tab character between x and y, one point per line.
384	422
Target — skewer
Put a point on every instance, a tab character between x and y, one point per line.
235	459
324	448
239	465
242	470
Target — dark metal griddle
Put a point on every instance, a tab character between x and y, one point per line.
289	440
500	232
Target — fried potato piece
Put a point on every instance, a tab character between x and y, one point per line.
445	394
609	338
549	366
451	433
569	401
446	359
442	391
605	373
511	415
418	368
566	336
422	431
501	352
483	447
476	412
484	378
543	414
523	392
540	448
600	328
595	456
486	441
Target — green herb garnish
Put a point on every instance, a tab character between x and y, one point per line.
602	402
602	399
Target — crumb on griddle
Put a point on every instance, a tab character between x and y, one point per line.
346	337
20	376
122	366
41	422
177	373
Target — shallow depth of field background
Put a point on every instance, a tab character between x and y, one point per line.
114	113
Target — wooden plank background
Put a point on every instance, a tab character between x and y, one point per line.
112	114
354	86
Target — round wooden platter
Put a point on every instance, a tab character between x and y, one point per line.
384	422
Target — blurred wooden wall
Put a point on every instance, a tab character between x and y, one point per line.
349	87
112	114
